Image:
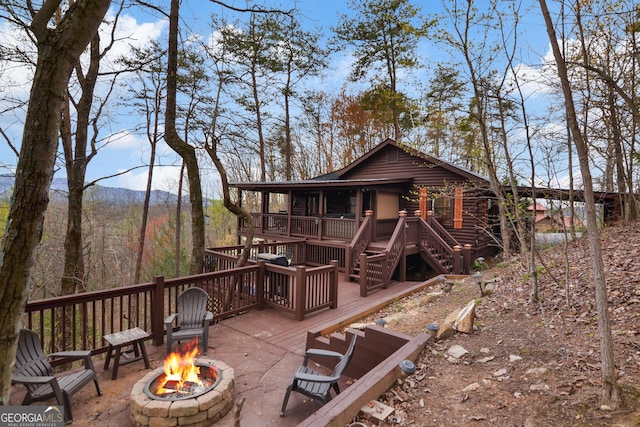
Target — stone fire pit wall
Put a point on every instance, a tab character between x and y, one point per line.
201	411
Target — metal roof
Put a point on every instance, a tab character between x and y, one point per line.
317	183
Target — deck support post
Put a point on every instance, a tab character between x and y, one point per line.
300	292
260	284
467	258
363	275
157	311
333	288
457	260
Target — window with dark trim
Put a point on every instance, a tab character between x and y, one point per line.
441	207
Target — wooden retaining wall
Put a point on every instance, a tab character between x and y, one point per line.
345	406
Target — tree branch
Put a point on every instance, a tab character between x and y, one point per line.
13	148
95	181
253	9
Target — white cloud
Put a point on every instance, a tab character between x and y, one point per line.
123	140
129	32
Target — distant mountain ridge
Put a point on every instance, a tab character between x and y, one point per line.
109	195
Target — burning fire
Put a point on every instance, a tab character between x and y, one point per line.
180	371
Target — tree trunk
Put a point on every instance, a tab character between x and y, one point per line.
178	237
237	211
145	209
185	151
611	392
58	51
76	162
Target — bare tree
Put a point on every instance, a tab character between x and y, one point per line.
611	390
184	150
59	47
479	61
148	96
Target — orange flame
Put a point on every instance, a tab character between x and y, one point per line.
180	368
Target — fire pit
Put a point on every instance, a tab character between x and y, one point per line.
185	392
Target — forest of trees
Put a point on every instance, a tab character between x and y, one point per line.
247	100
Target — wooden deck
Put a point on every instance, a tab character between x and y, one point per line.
282	330
263	346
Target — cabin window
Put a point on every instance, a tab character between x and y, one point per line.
340	204
441	207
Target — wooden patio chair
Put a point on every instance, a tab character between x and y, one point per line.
192	319
33	370
316	385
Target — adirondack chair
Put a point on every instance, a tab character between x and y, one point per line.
315	385
192	319
33	370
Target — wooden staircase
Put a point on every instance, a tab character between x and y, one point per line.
354	275
438	248
373	266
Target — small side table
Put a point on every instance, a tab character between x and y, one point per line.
134	337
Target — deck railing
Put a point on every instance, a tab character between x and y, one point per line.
292	249
433	245
79	321
300	290
373	272
302	226
385	228
305	226
318	253
437	228
338	228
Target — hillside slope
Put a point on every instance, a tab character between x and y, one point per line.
528	364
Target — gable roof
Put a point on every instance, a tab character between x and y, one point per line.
412	152
337	178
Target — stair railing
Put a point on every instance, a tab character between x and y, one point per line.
395	248
357	246
439	250
376	270
442	232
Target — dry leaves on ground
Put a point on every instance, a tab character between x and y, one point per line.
527	363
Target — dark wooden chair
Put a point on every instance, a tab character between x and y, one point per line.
33	370
316	385
192	319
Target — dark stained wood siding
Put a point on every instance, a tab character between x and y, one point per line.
395	162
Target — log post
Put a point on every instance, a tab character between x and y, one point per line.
363	275
259	285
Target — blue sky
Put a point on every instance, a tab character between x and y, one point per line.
126	150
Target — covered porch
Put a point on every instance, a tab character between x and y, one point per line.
322	209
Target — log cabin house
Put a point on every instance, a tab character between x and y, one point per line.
394	213
422	215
